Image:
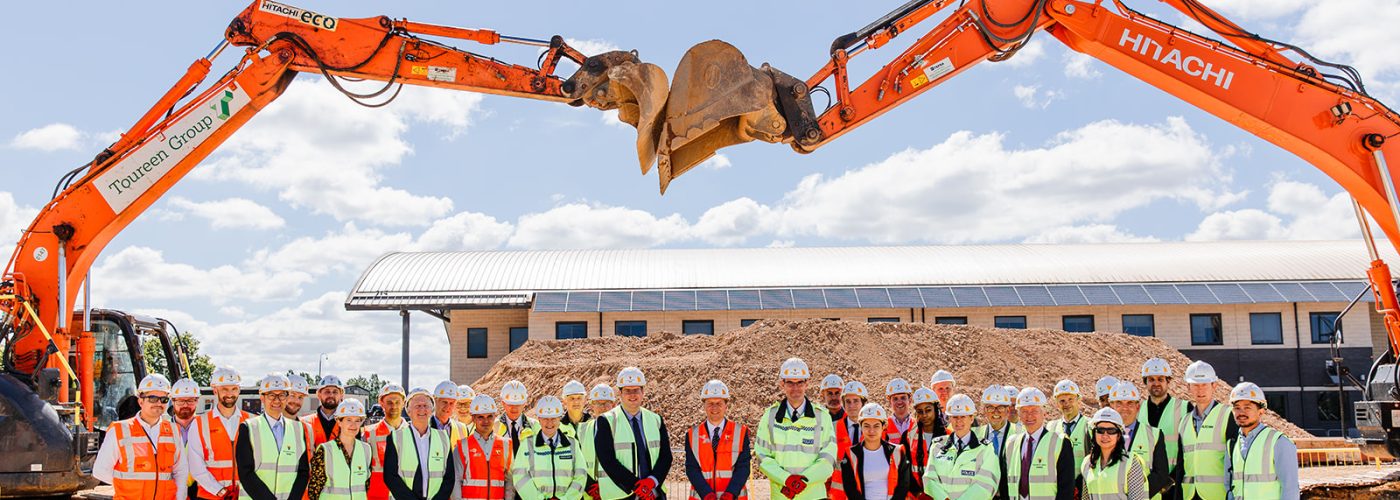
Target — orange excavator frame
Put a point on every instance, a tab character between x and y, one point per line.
53	256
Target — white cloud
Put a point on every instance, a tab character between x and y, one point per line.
1258	9
14	219
465	231
610	117
592	47
1092	233
582	225
230	213
717	162
734	221
321	152
51	137
346	250
141	273
1332	30
1032	97
1081	66
1296	211
1033	51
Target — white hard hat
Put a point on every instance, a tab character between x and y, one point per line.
714	389
939	377
331	381
483	405
1066	386
1011	391
225	377
631	377
514	393
392	389
1124	391
184	388
924	395
465	392
152	383
419	391
1107	414
995	395
298	384
960	405
445	390
1248	391
1156	366
1200	372
855	388
549	407
1105	385
873	411
897	386
574	388
274	382
794	369
602	392
1030	396
349	408
832	381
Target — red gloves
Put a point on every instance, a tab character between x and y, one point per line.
794	485
593	492
726	496
645	489
711	497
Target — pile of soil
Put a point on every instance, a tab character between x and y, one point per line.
747	359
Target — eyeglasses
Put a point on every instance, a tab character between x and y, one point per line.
157	399
1110	431
275	396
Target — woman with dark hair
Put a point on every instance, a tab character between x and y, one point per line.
1109	471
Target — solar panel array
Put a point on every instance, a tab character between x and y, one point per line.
956	296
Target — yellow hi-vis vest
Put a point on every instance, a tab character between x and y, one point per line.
407	449
276	467
346	480
1078	437
540	471
586	435
1044	471
803	444
970	475
625	448
1111	483
1169	424
1145	440
1254	476
1203	454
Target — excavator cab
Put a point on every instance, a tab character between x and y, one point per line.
120	360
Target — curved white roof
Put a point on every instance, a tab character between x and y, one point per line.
512	275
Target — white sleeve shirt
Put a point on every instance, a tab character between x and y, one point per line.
106	461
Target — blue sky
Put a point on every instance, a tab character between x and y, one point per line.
255	250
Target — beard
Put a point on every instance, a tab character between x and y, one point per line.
330	405
184	413
228	401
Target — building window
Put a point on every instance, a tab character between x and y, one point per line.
882	320
744	323
1328	407
1278	403
1206	329
1324	324
1017	322
570	330
476	342
950	320
518	336
831	319
1141	325
698	327
1265	328
630	328
1079	323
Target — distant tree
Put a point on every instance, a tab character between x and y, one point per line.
200	366
372	383
311	380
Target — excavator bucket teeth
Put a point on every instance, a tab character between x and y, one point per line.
716	100
637	90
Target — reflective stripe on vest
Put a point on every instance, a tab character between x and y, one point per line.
624	447
377	436
275	467
1110	483
217	448
1169	423
1077	437
483	477
145	466
1254	476
1044	464
315	435
893	472
407	448
1203	454
956	473
717	459
346	480
835	487
549	472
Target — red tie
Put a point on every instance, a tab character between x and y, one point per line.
1026	466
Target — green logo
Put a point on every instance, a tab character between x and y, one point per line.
222	106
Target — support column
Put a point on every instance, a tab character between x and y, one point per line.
404	362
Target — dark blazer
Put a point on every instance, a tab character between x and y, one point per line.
620	475
741	465
1066	473
248	473
402	491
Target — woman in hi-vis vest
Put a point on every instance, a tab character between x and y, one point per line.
340	467
1109	471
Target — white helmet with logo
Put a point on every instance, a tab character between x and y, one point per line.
940	377
1248	391
1156	366
514	393
549	407
1105	385
1031	396
465	392
483	405
331	381
392	389
602	392
855	388
1066	386
1107	414
897	386
184	388
1125	391
631	377
924	395
419	391
154	382
275	382
794	369
960	405
714	389
349	408
1011	392
832	381
223	377
298	384
995	395
1200	372
574	388
873	411
445	390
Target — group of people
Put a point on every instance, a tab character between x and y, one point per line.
603	443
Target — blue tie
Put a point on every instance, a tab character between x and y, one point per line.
996	441
643	454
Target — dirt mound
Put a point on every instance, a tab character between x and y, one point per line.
747	360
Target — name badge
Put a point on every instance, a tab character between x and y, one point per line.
969	473
808	441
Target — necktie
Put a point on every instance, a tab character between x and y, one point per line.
643	453
996	441
714	437
1026	466
854	433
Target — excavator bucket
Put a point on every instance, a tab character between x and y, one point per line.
637	90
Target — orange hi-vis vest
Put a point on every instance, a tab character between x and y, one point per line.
377	436
483	477
314	434
834	488
917	449
145	466
218	448
890	483
717	459
892	432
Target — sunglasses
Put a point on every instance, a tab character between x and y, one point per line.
1111	431
157	399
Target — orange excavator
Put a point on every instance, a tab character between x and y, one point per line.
91	204
1317	110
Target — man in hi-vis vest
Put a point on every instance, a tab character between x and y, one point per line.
418	460
270	453
632	446
795	444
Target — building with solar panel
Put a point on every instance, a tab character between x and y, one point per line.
1263	310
